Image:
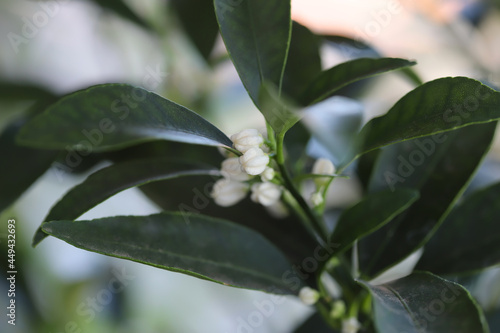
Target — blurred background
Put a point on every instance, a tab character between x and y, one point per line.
56	47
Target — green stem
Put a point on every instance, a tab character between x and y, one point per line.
313	219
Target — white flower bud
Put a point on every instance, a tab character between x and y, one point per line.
322	166
317	198
350	325
231	168
265	193
267	175
227	192
308	296
247	139
254	161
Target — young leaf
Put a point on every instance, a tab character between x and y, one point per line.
425	303
440	167
437	106
201	246
257	35
198	20
468	239
374	211
348	72
114	116
109	181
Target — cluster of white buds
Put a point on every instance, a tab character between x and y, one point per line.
237	171
322	166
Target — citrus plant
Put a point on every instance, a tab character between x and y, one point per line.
239	215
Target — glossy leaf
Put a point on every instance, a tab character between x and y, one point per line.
469	238
279	113
198	20
20	166
109	181
191	195
201	246
437	106
303	62
114	116
348	72
440	167
425	303
371	213
257	36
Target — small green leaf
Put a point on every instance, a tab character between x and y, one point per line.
109	181
425	303
468	240
374	211
114	116
437	106
440	167
198	20
279	113
257	36
197	245
348	72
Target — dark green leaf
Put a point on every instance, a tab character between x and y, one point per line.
113	116
374	211
257	35
425	303
23	91
122	9
197	245
192	195
437	106
109	181
303	62
279	113
198	20
314	324
20	166
348	72
440	167
469	238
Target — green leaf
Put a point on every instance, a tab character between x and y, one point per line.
348	72
374	211
279	113
198	245
20	166
468	239
437	106
303	62
122	9
198	20
257	36
191	195
425	303
109	181
23	91
114	116
440	167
